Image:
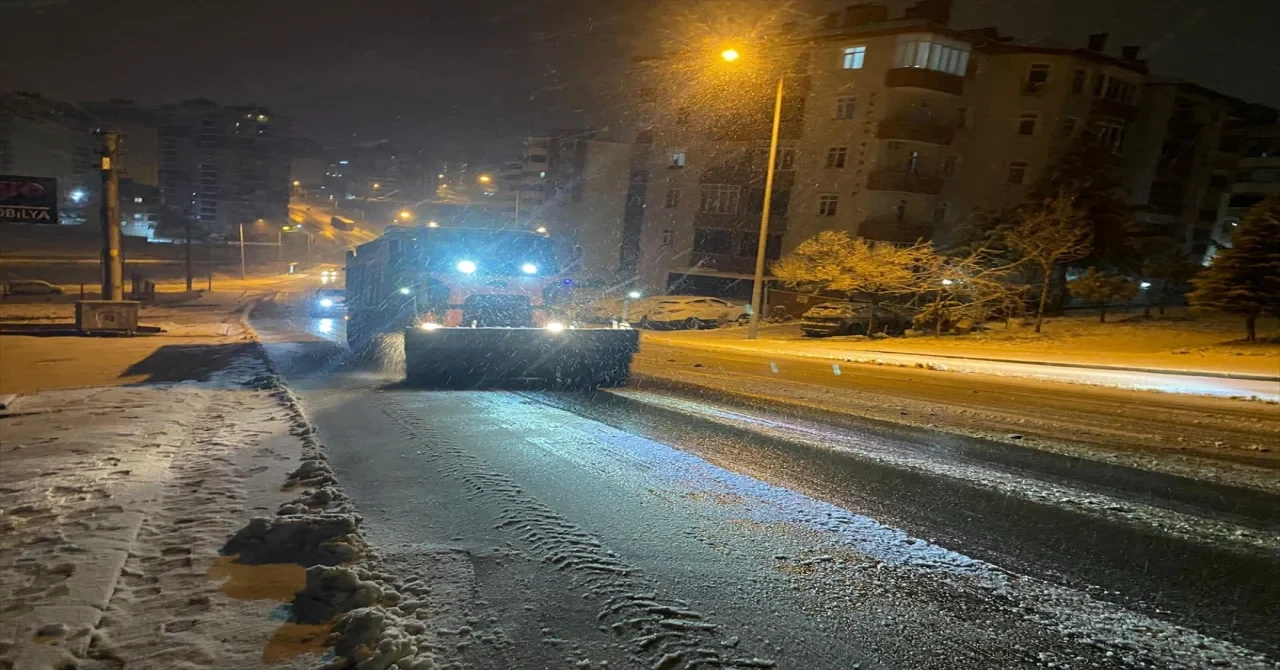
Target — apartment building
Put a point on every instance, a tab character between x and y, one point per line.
224	165
896	129
584	190
1174	153
40	137
1254	153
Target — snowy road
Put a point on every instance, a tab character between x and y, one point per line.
787	539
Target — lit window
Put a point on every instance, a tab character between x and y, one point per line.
913	163
854	57
673	199
836	156
931	52
845	107
677	159
827	205
1017	173
1027	123
949	165
137	199
719	198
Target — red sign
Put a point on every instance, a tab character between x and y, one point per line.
28	199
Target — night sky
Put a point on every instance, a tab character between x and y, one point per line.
465	74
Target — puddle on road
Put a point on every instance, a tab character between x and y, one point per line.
268	581
279	582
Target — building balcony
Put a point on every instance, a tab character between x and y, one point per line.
1114	109
890	229
915	77
895	180
914	130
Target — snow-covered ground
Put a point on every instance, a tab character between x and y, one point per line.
114	504
1106	367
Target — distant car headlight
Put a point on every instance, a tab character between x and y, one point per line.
554	327
466	267
529	269
326	302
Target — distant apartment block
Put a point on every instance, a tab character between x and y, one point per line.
588	191
40	137
224	165
900	129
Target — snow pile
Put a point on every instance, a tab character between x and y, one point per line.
305	539
331	591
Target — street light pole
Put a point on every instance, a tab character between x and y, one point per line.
757	287
242	273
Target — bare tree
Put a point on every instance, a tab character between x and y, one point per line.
1048	233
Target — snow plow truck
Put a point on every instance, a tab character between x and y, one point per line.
479	307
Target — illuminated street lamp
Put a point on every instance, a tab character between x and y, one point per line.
376	186
484	179
297	183
757	287
405	215
626	304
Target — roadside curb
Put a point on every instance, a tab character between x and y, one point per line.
1108	368
845	358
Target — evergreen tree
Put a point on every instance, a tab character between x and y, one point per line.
1245	278
1102	288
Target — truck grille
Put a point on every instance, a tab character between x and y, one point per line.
497	311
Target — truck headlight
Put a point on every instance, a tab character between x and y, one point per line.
429	325
466	267
554	327
529	269
326	302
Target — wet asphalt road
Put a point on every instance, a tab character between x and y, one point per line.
605	463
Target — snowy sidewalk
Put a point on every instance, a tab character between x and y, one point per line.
114	504
1192	382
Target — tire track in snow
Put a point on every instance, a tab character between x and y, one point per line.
662	633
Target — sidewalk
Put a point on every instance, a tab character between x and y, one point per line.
116	497
1254	370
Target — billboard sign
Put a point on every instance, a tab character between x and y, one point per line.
28	199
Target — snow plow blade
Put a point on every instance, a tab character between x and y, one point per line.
477	357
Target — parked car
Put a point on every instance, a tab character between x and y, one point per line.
847	318
328	301
608	309
692	312
31	287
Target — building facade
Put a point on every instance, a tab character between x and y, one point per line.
224	165
896	129
40	137
583	190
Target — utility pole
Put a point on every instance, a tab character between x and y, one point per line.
762	247
187	242
112	272
242	252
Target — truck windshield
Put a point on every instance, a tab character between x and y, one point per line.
490	252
